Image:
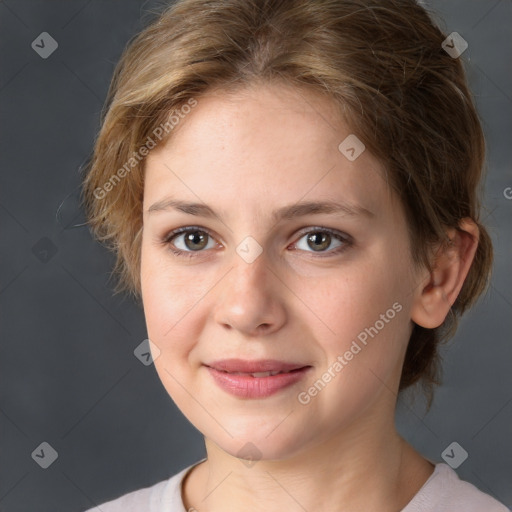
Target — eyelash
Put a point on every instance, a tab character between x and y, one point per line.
167	241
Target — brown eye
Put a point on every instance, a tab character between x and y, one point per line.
189	240
318	241
195	240
324	242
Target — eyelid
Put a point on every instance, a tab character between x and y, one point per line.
313	229
166	241
344	238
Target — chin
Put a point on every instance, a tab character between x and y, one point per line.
256	443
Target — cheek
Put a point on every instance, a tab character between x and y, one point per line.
365	321
347	300
169	314
168	298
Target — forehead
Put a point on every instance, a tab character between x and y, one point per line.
262	146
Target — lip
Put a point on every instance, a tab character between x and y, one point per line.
247	386
261	365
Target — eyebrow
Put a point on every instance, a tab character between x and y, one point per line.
285	213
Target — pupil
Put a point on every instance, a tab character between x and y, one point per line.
195	239
319	240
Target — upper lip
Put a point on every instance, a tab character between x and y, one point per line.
261	365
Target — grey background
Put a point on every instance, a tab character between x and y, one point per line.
68	373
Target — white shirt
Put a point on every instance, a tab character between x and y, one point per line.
442	492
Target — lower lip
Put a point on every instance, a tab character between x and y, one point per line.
247	386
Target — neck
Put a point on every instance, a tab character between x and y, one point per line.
363	468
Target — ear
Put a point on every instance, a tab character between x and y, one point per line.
451	265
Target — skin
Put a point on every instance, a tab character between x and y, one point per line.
245	155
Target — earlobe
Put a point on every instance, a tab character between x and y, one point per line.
440	288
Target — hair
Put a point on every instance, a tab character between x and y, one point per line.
380	63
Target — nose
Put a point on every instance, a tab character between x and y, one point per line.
251	298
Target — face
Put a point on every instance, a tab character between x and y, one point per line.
267	277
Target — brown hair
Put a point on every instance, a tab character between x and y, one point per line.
380	62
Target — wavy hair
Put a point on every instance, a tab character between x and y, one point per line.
382	65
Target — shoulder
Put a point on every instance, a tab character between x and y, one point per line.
444	491
164	496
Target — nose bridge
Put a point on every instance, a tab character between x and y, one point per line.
250	275
249	296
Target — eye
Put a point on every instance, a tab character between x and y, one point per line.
186	241
319	239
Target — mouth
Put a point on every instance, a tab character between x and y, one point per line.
255	379
260	374
260	368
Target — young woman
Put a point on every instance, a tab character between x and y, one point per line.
291	189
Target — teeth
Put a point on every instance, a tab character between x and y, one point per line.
265	374
259	374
